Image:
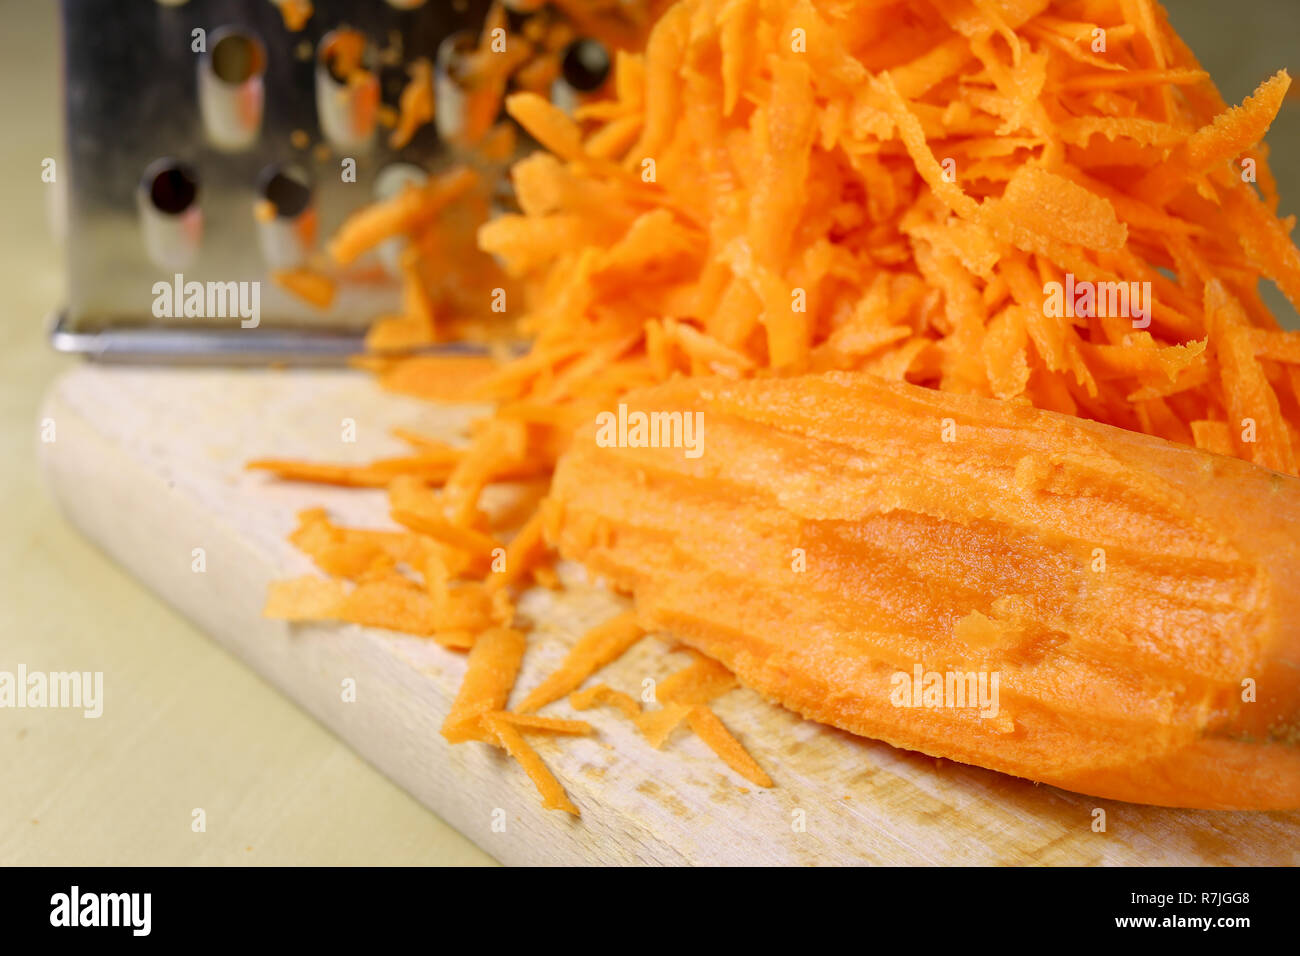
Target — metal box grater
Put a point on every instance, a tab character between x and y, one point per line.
169	150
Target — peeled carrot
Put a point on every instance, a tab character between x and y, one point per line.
1129	593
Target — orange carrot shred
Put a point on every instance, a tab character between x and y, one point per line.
658	724
489	676
553	795
312	287
714	733
697	683
550	725
589	697
594	650
1226	137
305	599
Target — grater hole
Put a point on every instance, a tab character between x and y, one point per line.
173	187
347	88
238	57
585	65
287	188
171	222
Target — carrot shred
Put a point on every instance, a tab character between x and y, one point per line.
713	732
658	725
1250	398
305	599
313	287
477	545
489	676
697	683
522	553
596	694
377	474
550	725
1277	346
553	795
1227	136
913	136
594	650
456	639
438	378
548	124
392	602
1214	437
413	207
415	105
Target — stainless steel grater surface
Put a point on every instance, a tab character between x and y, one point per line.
170	148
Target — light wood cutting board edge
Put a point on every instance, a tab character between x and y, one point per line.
148	464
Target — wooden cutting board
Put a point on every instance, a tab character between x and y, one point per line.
148	463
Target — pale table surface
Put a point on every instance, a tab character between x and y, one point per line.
185	725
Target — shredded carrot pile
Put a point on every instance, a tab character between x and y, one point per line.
1047	203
